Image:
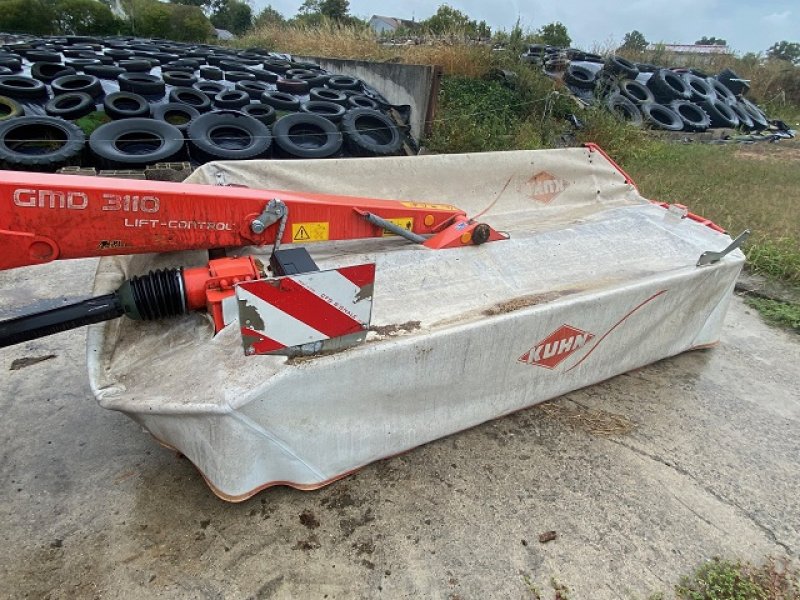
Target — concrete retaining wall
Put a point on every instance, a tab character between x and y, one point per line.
416	85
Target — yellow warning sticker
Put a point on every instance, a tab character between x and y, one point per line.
310	232
406	223
429	206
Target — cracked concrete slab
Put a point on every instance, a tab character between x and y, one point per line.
641	477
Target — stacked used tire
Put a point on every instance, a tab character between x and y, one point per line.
669	99
167	101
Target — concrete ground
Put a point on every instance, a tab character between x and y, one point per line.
641	477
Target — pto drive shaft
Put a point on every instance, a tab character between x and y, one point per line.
156	295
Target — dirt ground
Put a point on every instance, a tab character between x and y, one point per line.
641	478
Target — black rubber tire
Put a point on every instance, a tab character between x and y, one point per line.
668	86
699	87
231	99
277	66
759	118
47	71
211	73
636	92
228	135
10	109
253	88
329	110
5	71
142	83
342	82
43	56
292	86
311	80
621	67
624	109
694	118
126	105
368	132
605	84
187	62
239	76
745	122
302	135
71	106
209	88
118	53
79	63
104	71
659	116
179	78
265	76
191	97
326	95
177	114
14	64
360	101
723	93
172	68
19	86
281	101
733	82
136	143
261	112
136	65
232	65
580	77
646	67
720	112
292	72
88	84
17	151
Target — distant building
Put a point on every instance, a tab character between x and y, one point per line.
690	54
223	34
691	48
381	24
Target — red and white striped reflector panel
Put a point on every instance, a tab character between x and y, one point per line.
303	311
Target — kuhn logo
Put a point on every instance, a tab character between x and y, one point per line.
556	347
546	186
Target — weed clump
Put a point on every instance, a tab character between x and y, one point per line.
721	579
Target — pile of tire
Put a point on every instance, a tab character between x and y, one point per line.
669	99
169	101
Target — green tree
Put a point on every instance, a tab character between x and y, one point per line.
85	17
448	19
233	15
634	41
189	24
336	10
555	34
26	16
711	41
197	3
151	18
788	51
269	16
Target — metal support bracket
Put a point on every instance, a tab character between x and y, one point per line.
709	257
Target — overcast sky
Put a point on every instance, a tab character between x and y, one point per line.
747	25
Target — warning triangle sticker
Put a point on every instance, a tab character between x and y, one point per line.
301	235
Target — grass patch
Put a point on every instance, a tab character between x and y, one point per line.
334	40
721	579
782	314
735	190
92	121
